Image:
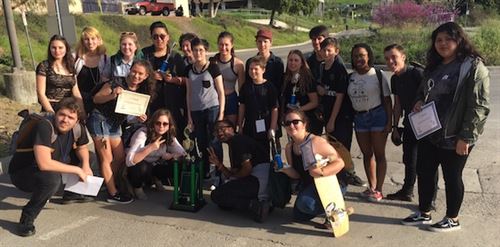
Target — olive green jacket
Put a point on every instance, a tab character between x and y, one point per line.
470	106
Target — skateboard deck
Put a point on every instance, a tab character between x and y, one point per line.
333	202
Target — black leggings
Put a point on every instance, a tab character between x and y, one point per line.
452	165
142	172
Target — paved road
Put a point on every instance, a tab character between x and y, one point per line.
151	223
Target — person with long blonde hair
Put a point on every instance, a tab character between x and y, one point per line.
91	64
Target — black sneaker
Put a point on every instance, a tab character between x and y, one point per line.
327	225
445	225
356	181
417	219
400	196
120	198
260	210
71	197
25	228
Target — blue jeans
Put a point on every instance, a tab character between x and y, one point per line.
204	122
308	205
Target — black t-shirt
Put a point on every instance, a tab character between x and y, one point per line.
302	97
259	101
41	134
169	96
242	147
274	71
335	80
405	85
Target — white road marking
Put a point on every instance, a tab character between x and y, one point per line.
67	228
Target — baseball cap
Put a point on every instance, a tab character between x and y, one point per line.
265	33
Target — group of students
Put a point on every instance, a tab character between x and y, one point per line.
221	99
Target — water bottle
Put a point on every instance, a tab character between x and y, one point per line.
164	66
293	99
279	162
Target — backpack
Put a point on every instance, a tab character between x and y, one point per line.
30	120
343	152
279	188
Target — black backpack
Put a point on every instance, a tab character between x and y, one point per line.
280	191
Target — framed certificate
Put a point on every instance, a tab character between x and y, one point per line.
130	103
425	122
308	158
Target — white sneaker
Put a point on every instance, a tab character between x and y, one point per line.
139	193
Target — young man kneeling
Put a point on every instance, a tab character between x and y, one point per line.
39	160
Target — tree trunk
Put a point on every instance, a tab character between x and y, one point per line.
271	20
211	7
217	7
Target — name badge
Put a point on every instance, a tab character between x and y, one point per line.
260	125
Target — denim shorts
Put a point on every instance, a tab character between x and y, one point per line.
370	121
100	126
231	107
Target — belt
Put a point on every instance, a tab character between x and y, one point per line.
369	110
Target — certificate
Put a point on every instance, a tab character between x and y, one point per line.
425	122
130	103
91	187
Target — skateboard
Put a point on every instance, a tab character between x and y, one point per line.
333	202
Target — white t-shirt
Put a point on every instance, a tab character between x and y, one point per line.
364	90
138	141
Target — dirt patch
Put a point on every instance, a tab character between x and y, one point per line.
184	24
9	121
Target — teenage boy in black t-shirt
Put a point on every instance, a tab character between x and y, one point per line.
258	110
248	173
37	165
404	84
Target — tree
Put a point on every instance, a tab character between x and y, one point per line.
287	6
307	7
273	5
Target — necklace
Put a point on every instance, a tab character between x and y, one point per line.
94	78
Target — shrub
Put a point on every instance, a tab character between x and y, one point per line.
400	14
487	41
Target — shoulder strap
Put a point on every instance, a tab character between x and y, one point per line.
379	77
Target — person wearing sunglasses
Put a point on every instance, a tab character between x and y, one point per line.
150	149
307	205
170	83
247	176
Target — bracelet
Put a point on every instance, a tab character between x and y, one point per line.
322	173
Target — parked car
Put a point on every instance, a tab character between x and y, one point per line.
155	7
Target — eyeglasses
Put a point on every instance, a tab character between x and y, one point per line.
159	36
294	122
164	124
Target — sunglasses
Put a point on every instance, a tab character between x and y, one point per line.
294	122
221	128
159	36
164	124
127	34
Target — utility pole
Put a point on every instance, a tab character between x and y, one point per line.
11	31
19	84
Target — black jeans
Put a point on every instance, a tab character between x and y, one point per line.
409	159
42	184
452	165
142	172
236	193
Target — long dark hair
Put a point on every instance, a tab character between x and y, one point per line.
68	60
149	84
464	46
305	78
169	135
